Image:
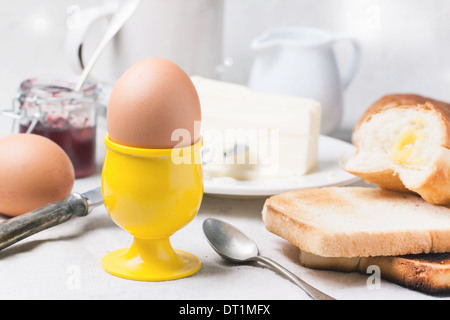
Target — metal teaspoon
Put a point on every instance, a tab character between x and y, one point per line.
233	245
124	12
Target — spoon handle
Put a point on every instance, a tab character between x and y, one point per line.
311	291
124	12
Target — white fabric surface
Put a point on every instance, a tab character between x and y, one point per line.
64	262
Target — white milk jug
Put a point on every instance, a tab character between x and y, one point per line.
188	32
299	61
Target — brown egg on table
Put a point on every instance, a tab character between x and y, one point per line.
151	101
34	171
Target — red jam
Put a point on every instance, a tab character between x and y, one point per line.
66	117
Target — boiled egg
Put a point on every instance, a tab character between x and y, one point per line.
34	171
154	105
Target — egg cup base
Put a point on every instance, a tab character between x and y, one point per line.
142	265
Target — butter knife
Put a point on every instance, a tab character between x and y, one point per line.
53	214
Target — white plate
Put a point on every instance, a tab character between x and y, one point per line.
329	173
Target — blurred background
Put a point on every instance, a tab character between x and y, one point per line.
405	45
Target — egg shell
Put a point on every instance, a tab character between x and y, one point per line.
152	100
34	171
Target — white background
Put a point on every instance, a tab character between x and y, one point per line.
405	43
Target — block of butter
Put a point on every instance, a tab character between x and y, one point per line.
272	135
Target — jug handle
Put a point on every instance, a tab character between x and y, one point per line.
348	77
78	25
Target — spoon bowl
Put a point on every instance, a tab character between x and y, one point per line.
229	242
233	245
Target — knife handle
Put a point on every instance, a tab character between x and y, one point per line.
53	214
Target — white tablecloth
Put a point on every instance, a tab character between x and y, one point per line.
64	262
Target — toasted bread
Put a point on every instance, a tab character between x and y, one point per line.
350	228
403	144
350	222
428	273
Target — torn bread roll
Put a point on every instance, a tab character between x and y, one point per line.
403	144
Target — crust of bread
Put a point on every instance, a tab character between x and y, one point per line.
339	222
425	273
435	189
387	179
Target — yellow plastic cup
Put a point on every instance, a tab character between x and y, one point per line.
152	194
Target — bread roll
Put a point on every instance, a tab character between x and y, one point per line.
403	144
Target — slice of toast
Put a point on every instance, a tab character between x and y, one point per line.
348	222
428	273
350	229
403	144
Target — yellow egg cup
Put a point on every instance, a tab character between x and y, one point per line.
152	194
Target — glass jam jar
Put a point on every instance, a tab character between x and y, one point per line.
54	110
